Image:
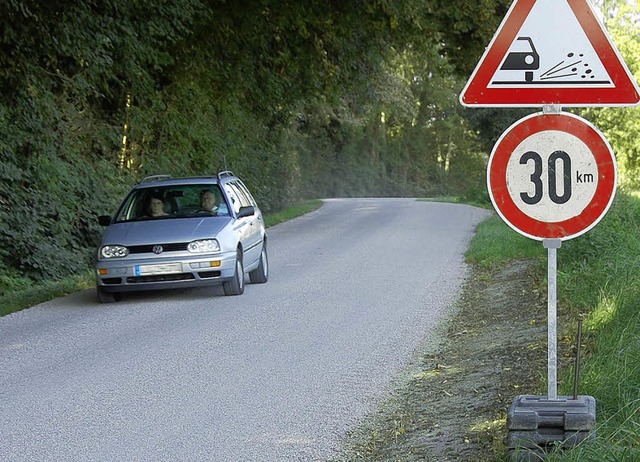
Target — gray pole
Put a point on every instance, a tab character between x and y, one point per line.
552	302
576	375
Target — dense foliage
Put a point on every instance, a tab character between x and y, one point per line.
302	99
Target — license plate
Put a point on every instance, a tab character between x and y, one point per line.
166	268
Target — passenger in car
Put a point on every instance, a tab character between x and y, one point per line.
156	206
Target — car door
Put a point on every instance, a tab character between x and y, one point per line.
249	227
258	227
256	224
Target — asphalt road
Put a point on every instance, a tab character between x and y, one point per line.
280	373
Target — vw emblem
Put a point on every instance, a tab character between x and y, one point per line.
157	249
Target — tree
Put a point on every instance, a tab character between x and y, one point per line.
301	98
619	125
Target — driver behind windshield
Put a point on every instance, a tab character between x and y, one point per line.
212	202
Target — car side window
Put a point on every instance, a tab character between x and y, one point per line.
233	197
245	201
247	193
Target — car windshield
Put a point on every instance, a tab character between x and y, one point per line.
175	201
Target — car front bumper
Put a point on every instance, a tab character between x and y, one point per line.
126	275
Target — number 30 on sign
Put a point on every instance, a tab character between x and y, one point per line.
552	176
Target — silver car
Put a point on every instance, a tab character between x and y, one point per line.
182	232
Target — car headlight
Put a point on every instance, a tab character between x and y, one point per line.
204	246
114	251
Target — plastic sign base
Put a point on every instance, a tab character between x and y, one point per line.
536	424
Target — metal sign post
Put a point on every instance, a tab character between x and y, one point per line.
552	245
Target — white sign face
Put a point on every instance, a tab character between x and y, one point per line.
552	176
542	59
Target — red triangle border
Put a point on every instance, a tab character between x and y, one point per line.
478	93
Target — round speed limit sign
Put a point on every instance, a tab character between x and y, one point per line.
552	176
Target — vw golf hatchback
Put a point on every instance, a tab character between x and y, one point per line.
182	232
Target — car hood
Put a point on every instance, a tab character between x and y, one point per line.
164	231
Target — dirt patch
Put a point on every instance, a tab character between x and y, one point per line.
453	405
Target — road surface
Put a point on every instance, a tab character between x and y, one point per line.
281	373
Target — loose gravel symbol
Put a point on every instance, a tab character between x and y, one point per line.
569	70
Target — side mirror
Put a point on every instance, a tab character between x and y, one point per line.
104	220
246	211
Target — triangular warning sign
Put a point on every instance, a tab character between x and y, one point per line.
551	52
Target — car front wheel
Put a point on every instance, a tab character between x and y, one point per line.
236	285
260	275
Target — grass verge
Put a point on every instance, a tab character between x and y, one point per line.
598	281
35	293
24	294
272	219
495	243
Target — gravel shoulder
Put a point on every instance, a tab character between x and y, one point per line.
451	405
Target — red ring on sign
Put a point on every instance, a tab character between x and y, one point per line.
497	176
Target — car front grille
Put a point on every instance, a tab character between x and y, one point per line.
160	278
174	247
209	274
111	281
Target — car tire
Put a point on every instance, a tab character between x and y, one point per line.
236	285
260	275
107	297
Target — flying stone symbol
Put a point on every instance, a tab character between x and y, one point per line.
525	57
569	70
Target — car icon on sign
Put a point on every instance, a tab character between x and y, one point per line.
527	59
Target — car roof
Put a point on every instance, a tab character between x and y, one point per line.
168	180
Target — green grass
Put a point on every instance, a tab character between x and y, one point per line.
20	293
598	279
272	219
496	243
602	277
32	294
